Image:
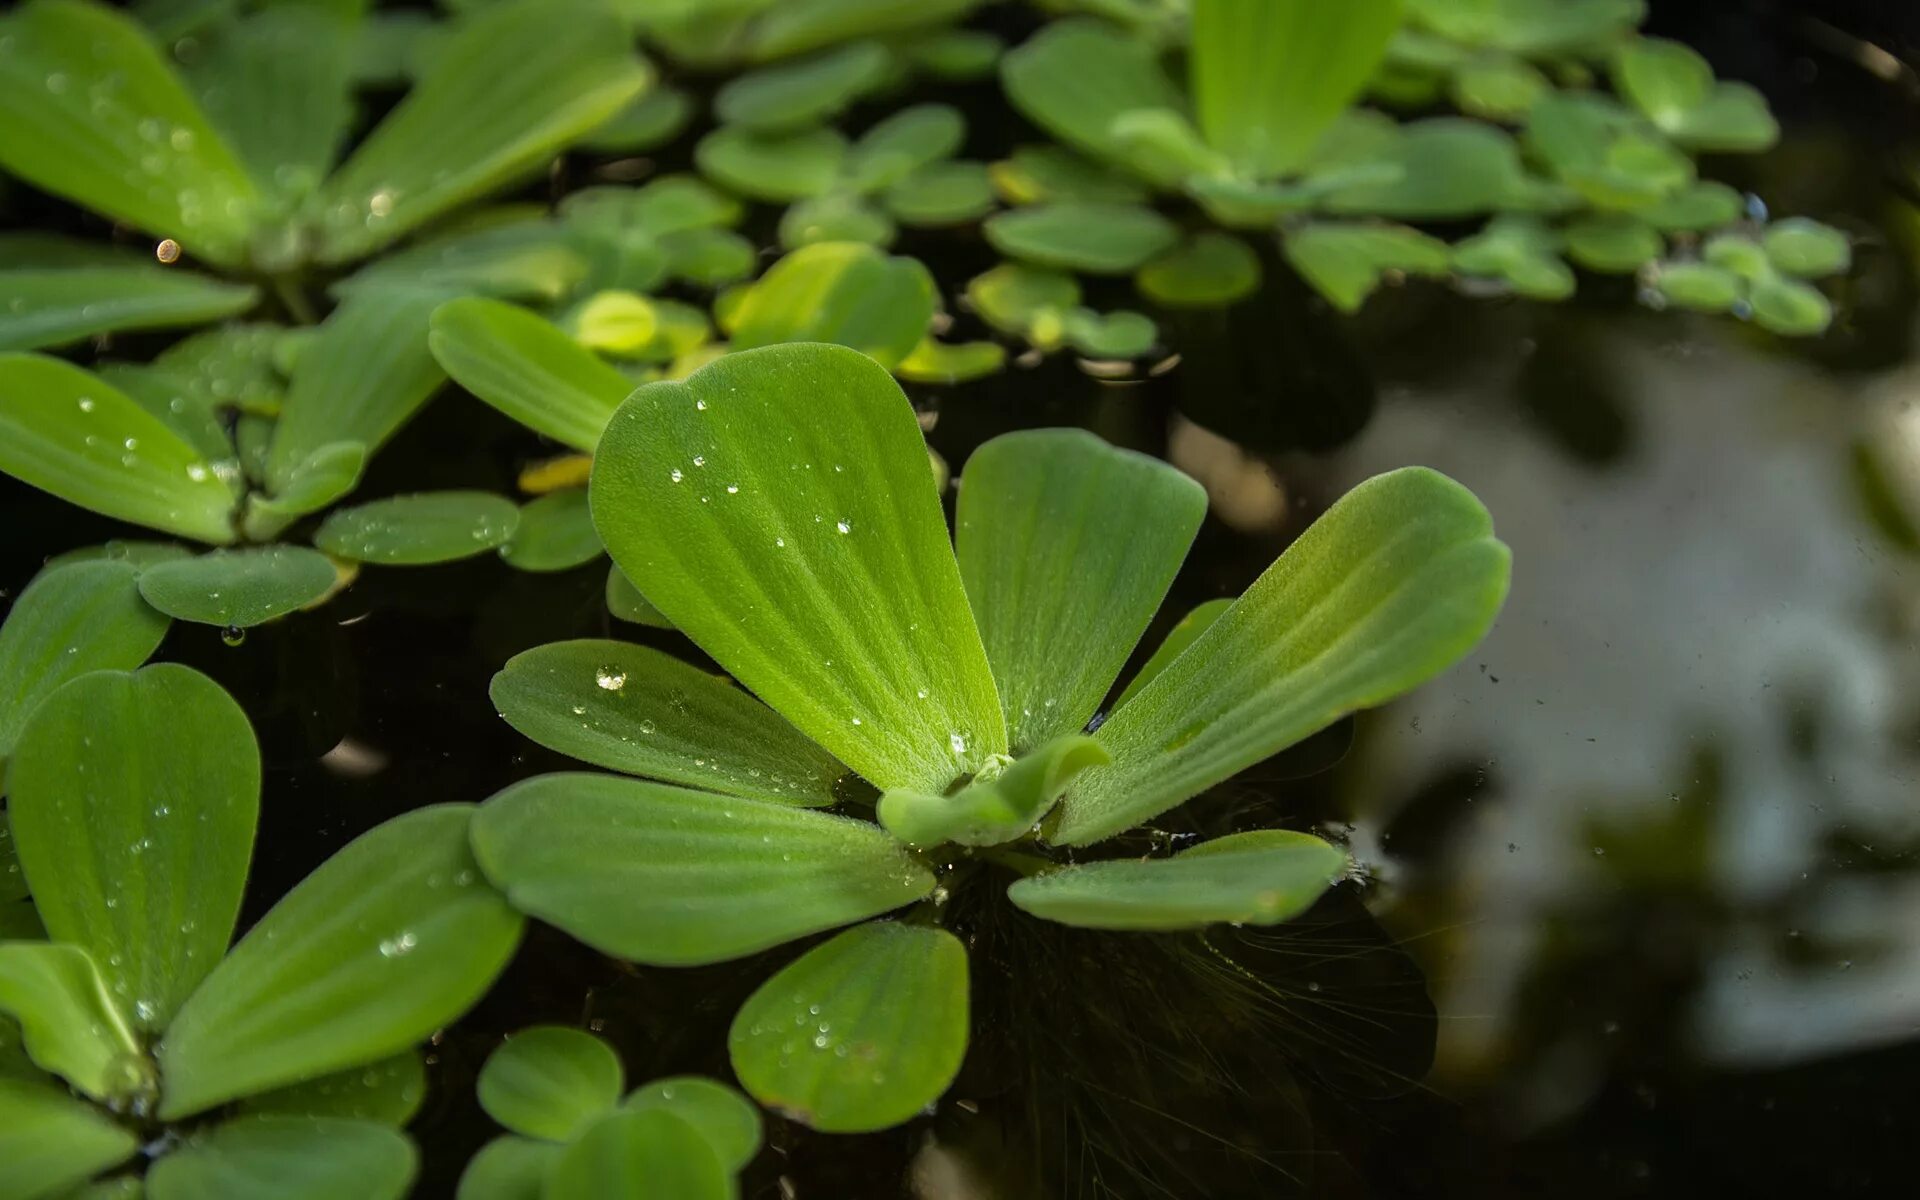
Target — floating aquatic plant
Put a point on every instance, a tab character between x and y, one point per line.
776	507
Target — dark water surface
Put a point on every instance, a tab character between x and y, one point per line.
1644	908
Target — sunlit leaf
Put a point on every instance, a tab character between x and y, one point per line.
138	855
843	293
1269	76
419	529
94	113
892	996
52	1142
1028	302
287	1158
1386	590
1098	239
671	877
388	1092
69	1024
1674	87
66	431
1347	262
1111	335
950	362
808	91
726	1119
550	1082
237	589
390	939
647	1154
528	368
1076	76
1067	546
1258	878
775	167
367	371
73	618
996	807
637	710
513	86
55	306
1208	270
799	472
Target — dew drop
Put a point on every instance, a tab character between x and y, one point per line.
843	527
609	679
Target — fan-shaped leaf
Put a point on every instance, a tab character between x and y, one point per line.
287	1158
389	1093
907	141
69	1025
550	1082
839	292
672	877
1099	239
1076	76
420	529
1259	878
650	1153
55	306
804	92
238	588
772	167
528	368
1208	270
1346	262
729	1122
52	1143
555	533
509	1168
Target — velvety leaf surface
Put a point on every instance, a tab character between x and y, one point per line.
94	113
287	1158
550	1082
1389	588
52	1142
726	1119
996	807
391	938
528	368
365	372
1098	239
388	1092
647	1155
1178	639
1258	878
134	801
779	507
74	617
1269	76
634	709
839	292
511	87
69	1025
53	307
860	1032
420	529
1067	546
68	432
671	877
238	588
1076	76
509	1168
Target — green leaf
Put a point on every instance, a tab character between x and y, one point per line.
615	322
555	533
69	1024
419	530
1605	152
1789	307
835	217
1168	141
528	368
1663	79
1112	335
367	371
1076	76
1269	76
1028	302
708	257
388	1092
500	255
651	1154
1178	639
390	939
1390	587
997	807
550	1082
1734	120
1542	28
1498	89
726	1119
839	292
279	84
1098	239
797	26
287	1158
656	118
138	856
511	88
324	476
776	168
509	1168
944	362
636	710
1704	205
625	602
136	554
944	194
73	618
67	432
805	92
238	589
1699	286
955	55
909	140
1207	270
1259	878
56	306
1522	252
1804	247
1347	262
1613	242
1036	174
799	472
52	1143
1437	169
671	877
1067	546
859	1033
94	113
